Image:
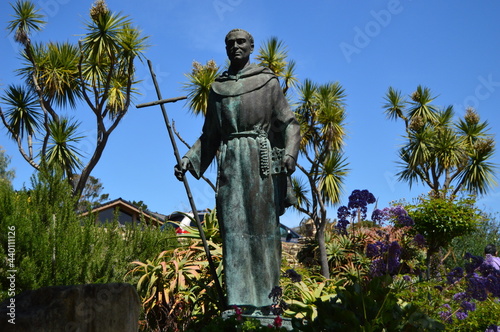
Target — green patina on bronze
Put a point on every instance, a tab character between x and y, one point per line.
247	117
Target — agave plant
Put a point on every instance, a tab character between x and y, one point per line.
302	296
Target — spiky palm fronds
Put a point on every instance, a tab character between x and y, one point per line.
23	114
273	55
27	19
62	150
395	104
198	86
331	177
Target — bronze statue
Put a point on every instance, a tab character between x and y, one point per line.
250	129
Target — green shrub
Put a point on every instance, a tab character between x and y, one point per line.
440	220
371	306
487	232
55	246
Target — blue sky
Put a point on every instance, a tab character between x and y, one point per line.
451	47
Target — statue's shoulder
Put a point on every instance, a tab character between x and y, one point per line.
251	78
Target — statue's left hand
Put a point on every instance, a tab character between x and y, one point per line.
290	163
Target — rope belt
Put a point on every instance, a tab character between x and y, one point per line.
267	165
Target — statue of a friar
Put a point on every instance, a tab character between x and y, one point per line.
253	133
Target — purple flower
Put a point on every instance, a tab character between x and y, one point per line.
419	240
378	216
376	249
468	306
460	296
461	315
358	201
276	293
493	283
492	328
342	226
446	316
406	278
378	268
473	262
343	212
455	275
394	253
476	287
405	221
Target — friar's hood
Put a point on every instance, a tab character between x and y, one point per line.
249	79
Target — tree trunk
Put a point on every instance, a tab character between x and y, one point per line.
78	189
320	237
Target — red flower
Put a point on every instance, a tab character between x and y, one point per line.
277	321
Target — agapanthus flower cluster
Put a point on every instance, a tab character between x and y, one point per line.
395	214
473	262
359	200
386	257
460	314
358	205
455	275
419	240
342	219
481	279
446	315
377	249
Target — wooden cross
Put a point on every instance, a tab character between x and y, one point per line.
162	103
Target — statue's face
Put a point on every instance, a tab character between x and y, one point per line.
238	47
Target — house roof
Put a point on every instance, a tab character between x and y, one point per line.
127	206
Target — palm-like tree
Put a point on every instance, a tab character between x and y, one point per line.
27	19
198	86
98	71
321	113
273	54
61	151
446	156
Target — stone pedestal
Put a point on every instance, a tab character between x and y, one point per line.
79	308
264	320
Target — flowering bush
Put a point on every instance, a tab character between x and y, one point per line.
356	208
395	214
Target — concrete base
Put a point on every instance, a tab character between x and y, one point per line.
90	308
265	320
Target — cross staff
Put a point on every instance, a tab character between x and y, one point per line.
162	103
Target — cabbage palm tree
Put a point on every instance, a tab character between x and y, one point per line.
98	73
198	86
273	54
61	151
446	156
321	114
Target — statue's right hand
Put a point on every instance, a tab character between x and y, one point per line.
181	169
